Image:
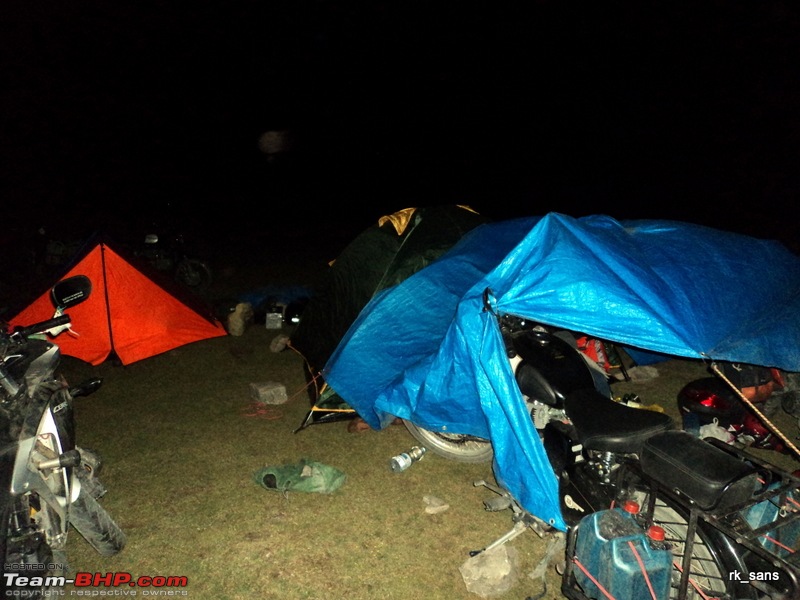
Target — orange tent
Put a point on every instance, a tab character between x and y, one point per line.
127	313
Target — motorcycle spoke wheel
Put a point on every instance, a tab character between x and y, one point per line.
458	447
707	573
193	273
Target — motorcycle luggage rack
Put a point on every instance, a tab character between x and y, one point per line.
732	520
766	540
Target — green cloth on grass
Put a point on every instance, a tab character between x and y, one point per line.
304	476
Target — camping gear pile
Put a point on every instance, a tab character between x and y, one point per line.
635	284
661	288
709	405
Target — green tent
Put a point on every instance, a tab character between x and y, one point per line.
381	256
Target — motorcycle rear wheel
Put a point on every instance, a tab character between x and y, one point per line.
193	273
708	568
453	446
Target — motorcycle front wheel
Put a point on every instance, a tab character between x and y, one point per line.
96	526
193	273
453	446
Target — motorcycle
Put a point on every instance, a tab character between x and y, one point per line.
171	257
167	254
730	523
47	482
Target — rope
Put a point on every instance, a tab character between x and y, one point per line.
258	409
305	387
760	415
777	543
643	569
578	564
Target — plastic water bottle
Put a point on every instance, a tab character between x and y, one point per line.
404	460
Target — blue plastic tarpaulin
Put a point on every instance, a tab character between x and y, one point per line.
428	350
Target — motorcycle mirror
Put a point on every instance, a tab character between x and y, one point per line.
71	291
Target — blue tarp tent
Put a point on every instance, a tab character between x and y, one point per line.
427	350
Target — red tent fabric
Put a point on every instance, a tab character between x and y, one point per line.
127	313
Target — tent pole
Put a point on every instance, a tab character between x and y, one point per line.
106	296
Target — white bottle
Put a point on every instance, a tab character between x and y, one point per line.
402	461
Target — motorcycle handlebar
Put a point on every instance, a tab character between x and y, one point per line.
42	326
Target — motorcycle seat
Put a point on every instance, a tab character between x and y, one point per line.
708	475
608	426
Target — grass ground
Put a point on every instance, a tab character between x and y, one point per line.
182	439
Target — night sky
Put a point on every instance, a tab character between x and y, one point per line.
114	112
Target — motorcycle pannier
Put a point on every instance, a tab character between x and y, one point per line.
708	475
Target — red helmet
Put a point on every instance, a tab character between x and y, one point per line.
710	398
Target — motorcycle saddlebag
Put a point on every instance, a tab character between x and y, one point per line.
696	469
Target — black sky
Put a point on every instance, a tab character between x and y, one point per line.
112	110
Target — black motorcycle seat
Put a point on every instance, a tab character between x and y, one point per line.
695	468
609	426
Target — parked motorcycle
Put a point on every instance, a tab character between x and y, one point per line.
47	482
164	252
730	523
169	255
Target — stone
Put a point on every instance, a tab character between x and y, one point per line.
268	392
240	318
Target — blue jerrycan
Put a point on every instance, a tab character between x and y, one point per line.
613	550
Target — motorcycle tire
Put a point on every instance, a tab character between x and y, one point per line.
193	273
457	447
96	526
